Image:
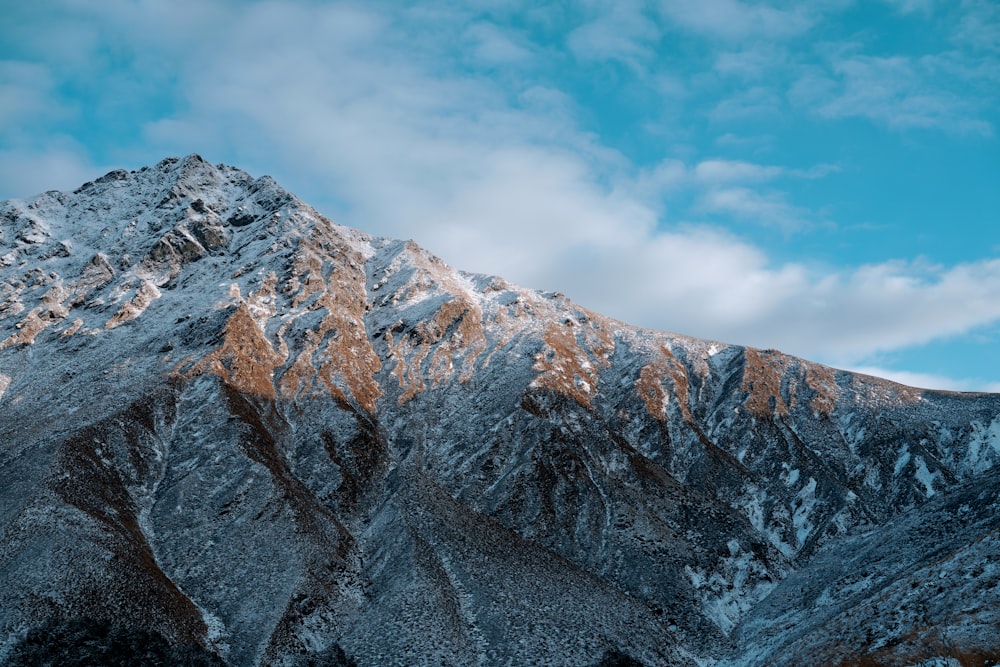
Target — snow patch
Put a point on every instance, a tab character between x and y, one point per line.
216	629
695	576
805	500
872	479
753	503
904	458
853	435
983	446
925	476
730	592
733	546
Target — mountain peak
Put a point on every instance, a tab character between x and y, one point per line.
232	422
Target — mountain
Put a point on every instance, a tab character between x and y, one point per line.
237	433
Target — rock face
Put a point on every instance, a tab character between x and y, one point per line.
271	439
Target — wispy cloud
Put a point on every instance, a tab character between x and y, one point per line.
911	6
495	188
491	45
769	209
902	92
26	93
735	20
432	124
979	27
735	171
753	143
757	61
738	189
753	102
929	380
622	32
60	164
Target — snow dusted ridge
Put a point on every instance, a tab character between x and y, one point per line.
234	423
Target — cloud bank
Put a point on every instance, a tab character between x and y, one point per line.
440	123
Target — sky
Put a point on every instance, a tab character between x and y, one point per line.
820	177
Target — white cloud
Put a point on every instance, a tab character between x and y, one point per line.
492	189
767	208
979	27
911	6
730	187
929	380
622	33
734	20
348	104
729	171
26	94
759	61
60	165
756	101
899	91
752	143
493	46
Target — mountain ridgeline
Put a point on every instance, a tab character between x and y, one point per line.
234	432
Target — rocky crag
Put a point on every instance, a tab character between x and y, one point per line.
266	439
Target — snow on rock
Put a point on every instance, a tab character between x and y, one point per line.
236	423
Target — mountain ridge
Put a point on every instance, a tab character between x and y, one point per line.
225	356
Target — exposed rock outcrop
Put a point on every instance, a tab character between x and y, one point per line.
234	424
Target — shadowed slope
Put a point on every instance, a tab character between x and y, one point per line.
232	422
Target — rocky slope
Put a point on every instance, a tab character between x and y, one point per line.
265	437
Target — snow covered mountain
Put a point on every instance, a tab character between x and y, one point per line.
245	434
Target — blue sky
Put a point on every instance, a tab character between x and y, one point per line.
820	176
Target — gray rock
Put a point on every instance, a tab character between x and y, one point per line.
280	440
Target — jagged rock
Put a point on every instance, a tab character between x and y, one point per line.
209	232
283	441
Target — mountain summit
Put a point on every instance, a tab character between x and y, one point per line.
237	433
